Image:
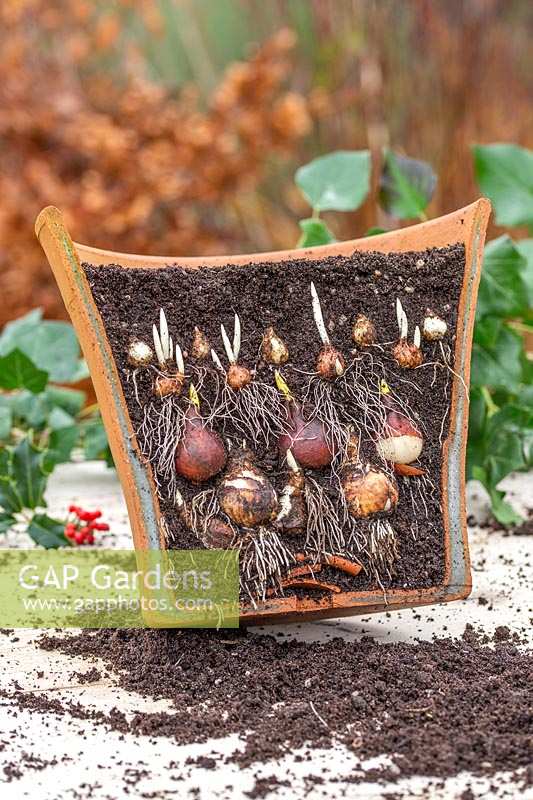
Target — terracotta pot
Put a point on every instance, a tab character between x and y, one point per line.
466	226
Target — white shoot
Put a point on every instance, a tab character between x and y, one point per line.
178	499
291	462
179	359
237	338
339	369
417	337
216	361
165	340
227	346
317	314
401	316
158	347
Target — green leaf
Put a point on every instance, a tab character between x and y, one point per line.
6	421
406	186
375	231
314	232
503	511
60	419
338	181
10	499
95	441
17	371
502	291
496	355
6	521
61	443
51	345
47	532
70	400
505	174
525	248
30	473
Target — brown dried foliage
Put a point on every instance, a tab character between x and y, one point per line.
133	167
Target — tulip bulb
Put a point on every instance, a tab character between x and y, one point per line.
200	453
368	491
245	493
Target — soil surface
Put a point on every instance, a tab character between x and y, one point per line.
278	294
435	708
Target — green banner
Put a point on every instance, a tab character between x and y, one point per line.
70	588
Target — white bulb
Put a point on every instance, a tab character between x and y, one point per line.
434	328
139	353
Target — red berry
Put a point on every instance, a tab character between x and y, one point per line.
69	533
101	526
89	539
79	537
74	509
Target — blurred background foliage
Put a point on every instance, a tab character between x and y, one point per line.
175	126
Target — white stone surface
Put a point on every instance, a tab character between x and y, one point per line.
502	567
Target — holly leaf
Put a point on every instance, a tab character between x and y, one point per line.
406	186
339	181
48	532
502	290
505	174
30	471
17	371
314	232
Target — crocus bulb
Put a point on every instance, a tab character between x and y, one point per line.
363	331
330	363
273	348
140	354
434	327
200	347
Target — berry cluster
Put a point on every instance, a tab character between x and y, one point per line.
81	525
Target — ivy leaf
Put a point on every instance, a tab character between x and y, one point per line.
314	232
406	186
496	355
95	441
30	473
70	400
6	420
51	345
48	532
61	443
338	181
502	291
525	248
505	174
17	371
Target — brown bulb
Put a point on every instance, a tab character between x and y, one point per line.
330	363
